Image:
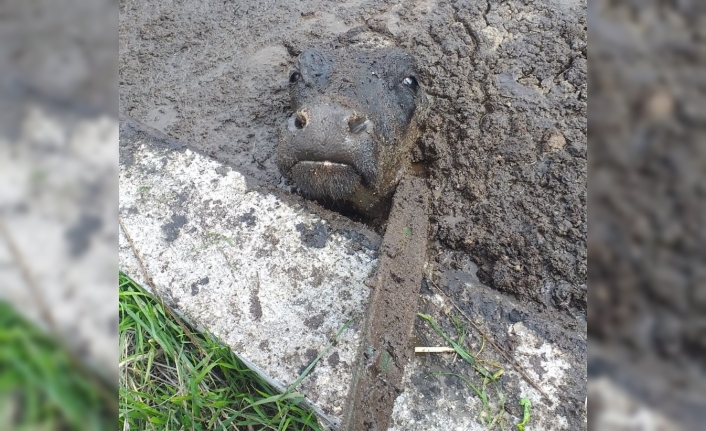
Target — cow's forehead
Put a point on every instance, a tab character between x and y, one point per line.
351	60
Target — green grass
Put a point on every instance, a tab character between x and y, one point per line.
488	372
526	406
42	385
174	378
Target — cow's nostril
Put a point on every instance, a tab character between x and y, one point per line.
300	120
357	123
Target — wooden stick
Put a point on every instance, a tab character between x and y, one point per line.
156	294
434	350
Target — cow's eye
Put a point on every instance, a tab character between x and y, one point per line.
295	77
411	82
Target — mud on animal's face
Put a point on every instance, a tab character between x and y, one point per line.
356	115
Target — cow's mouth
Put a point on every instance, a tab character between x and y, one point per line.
324	164
325	179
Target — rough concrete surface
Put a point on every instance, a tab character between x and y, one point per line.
549	348
276	281
57	254
613	408
269	278
58	177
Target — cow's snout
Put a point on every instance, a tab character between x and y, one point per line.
330	132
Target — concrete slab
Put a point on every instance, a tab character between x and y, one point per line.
269	277
613	408
541	350
57	249
620	393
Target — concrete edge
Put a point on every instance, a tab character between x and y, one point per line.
329	422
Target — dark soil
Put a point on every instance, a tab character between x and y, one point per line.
506	149
648	236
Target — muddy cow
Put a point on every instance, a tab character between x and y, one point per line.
356	115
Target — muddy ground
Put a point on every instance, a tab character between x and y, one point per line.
648	156
504	148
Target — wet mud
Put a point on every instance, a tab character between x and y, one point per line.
648	290
505	147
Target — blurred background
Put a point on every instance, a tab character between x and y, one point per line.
647	215
58	218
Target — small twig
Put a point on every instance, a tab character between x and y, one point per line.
29	280
47	317
331	344
152	286
500	350
434	350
